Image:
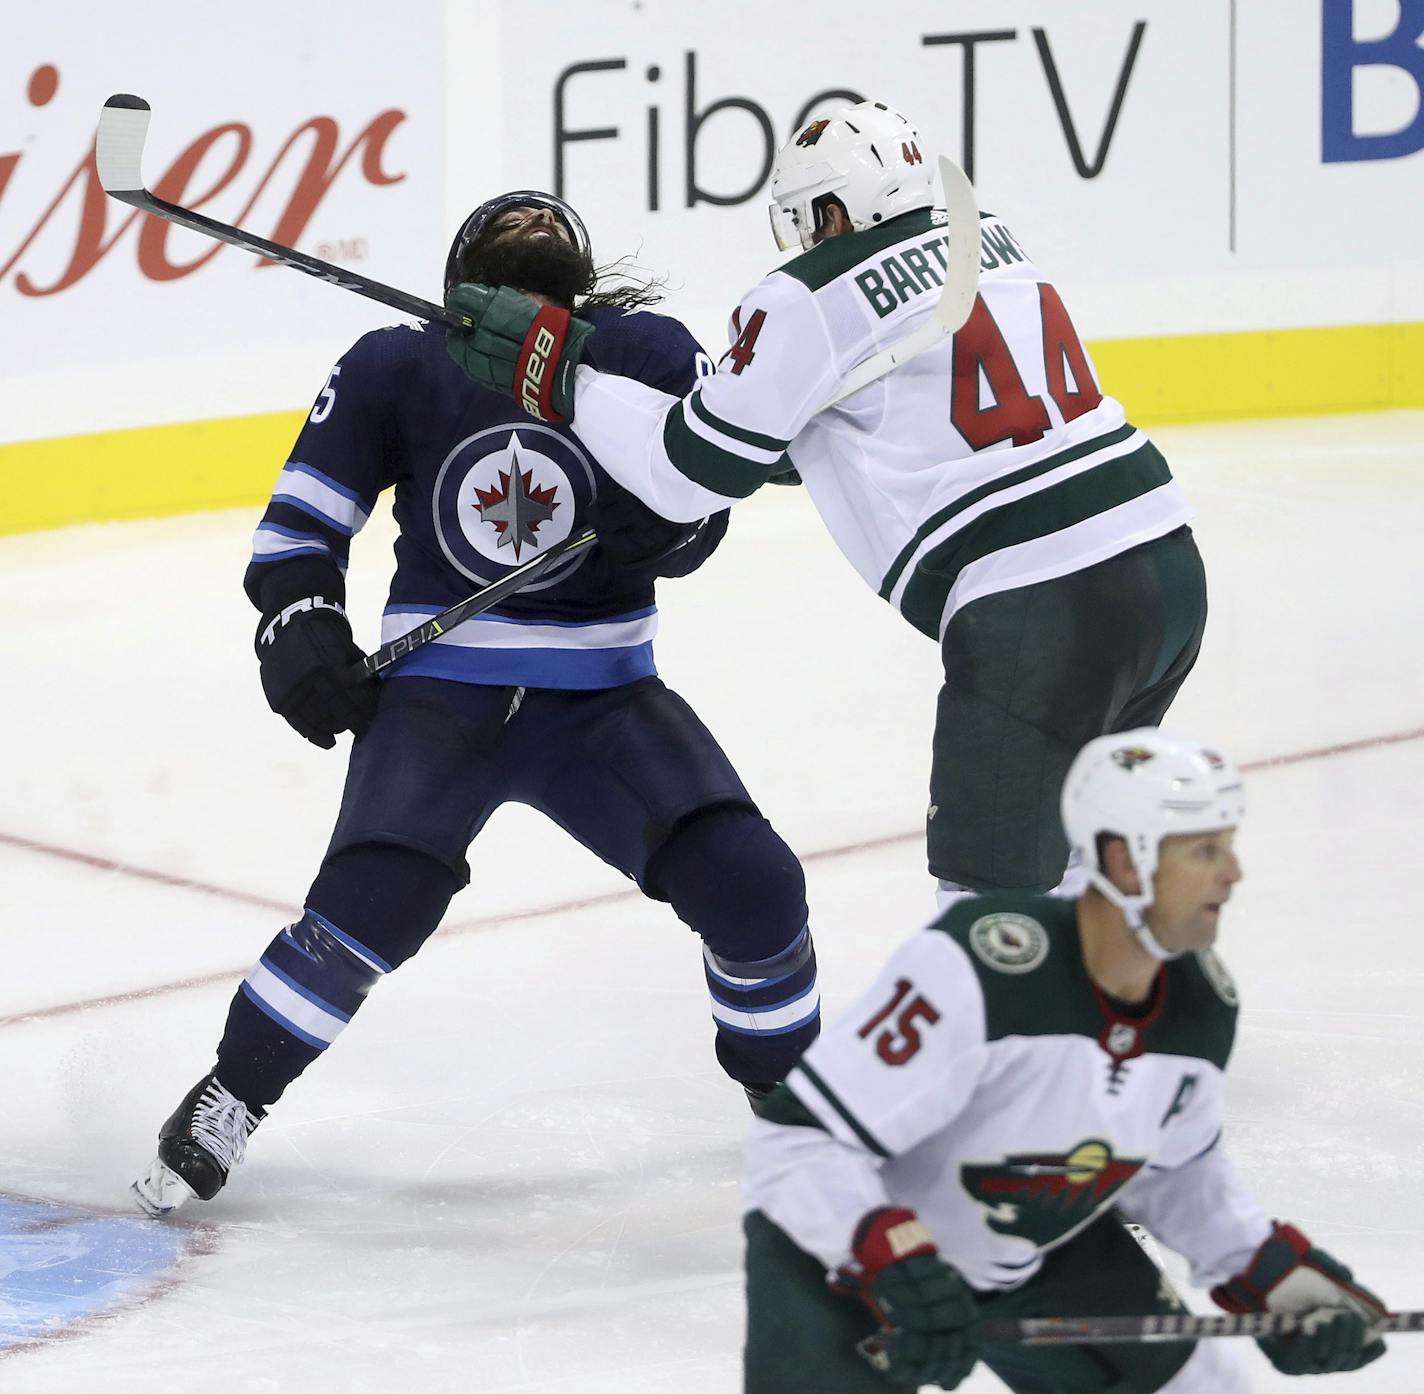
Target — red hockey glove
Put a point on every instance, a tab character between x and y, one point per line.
930	1326
1288	1274
518	348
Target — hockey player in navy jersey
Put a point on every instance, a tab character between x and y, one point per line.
550	700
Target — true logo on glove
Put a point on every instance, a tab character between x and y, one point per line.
312	602
536	364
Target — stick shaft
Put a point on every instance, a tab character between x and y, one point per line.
1062	1331
475	604
288	256
956	299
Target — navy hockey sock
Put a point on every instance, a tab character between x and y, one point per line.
733	880
370	908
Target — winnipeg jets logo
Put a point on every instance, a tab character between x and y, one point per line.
508	494
517	506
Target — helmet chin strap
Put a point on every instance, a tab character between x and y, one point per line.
1133	909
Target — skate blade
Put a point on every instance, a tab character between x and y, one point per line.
160	1190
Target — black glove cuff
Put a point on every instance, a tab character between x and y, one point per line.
273	586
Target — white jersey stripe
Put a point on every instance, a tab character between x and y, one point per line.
1153	514
1000	497
485	633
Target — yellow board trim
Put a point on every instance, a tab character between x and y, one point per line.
1281	372
155	471
148	472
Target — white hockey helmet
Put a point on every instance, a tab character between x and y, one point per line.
867	155
1142	786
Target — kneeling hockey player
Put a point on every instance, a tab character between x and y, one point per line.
1026	1075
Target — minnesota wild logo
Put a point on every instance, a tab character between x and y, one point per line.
1043	1196
1131	756
812	133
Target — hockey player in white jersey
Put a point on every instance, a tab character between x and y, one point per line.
1025	1074
987	489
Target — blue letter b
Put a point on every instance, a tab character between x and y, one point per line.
1340	55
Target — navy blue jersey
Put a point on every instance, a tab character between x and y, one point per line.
480	488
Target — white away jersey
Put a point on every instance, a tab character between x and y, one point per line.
987	1084
992	460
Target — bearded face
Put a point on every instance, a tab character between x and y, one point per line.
529	249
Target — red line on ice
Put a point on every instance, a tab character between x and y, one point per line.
505	916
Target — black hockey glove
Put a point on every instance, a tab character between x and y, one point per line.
630	532
518	348
930	1327
1288	1274
306	652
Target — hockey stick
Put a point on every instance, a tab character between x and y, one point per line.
123	125
475	604
956	300
1179	1326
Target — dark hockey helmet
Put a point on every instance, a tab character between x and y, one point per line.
517	198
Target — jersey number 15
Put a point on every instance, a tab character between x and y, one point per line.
902	1042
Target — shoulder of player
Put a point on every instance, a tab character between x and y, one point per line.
381	350
1006	934
1204	1005
645	333
834	257
1024	952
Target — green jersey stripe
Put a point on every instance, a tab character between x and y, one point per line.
782	1106
1061	505
851	1121
732	476
1007	481
837	255
753	438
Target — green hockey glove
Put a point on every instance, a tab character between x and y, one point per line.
930	1327
1288	1274
518	348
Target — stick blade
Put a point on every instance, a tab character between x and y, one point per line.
961	283
118	145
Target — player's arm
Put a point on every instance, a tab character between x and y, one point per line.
727	437
661	353
686	457
297	575
1203	1210
897	1067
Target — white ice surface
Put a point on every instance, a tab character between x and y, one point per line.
518	1170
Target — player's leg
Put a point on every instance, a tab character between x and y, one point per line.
1171	571
801	1336
1033	673
733	881
637	778
1103	1272
420	782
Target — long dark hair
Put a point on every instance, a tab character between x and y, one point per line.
634	290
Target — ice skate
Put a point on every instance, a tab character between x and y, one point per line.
204	1139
